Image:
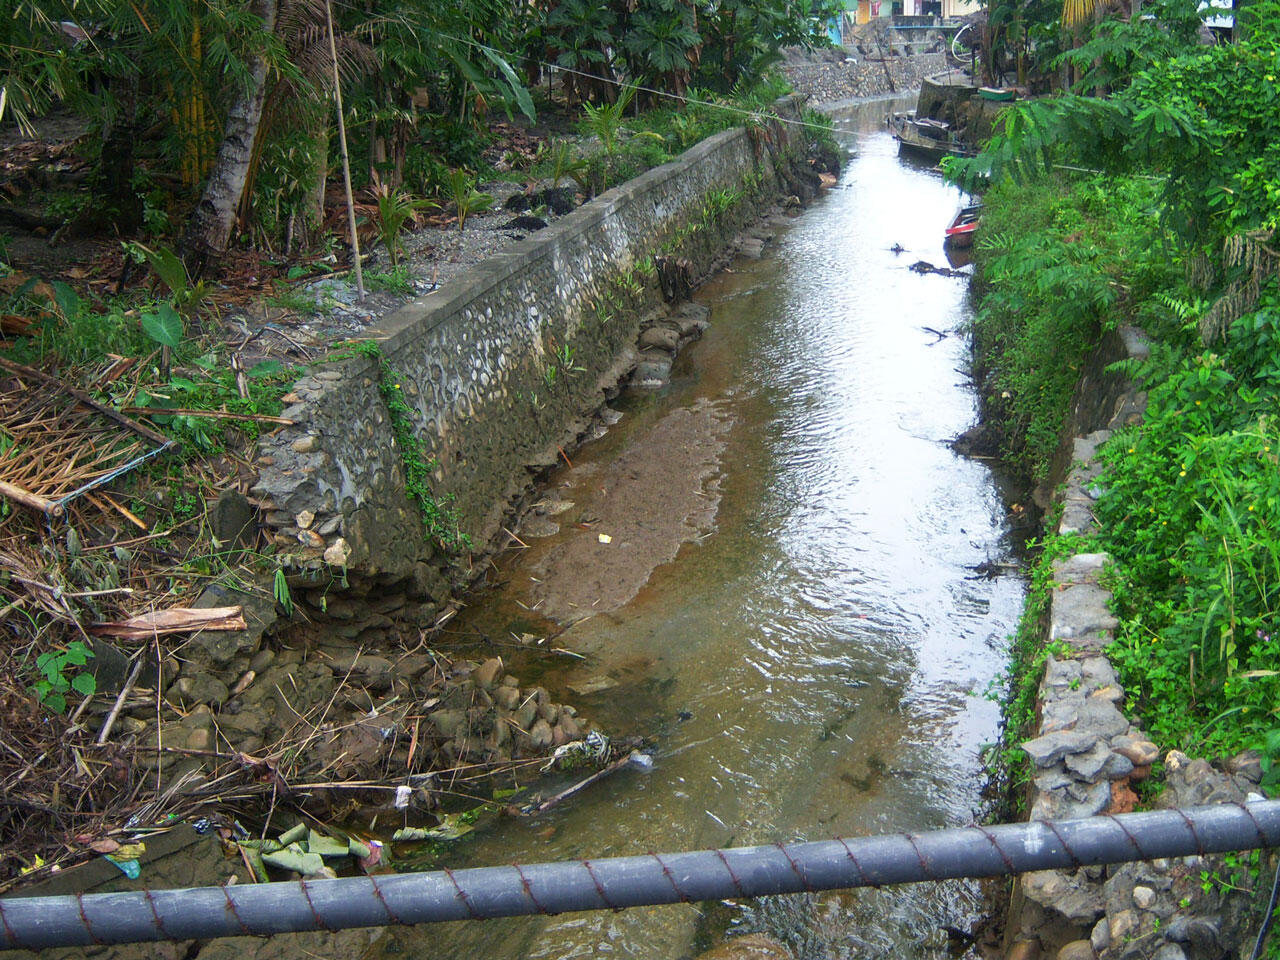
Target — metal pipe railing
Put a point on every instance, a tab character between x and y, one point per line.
263	909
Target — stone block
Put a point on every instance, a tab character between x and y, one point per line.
1080	611
1050	748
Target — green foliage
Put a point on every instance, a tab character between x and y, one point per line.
396	280
395	209
1057	259
439	520
57	681
605	121
1017	688
558	161
1191	510
1207	121
280	590
466	198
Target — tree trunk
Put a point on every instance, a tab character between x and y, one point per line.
208	231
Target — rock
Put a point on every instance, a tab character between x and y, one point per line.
692	319
585	688
1077	950
199	688
1118	766
751	946
336	553
1143	897
1069	894
1101	717
233	520
1100	938
199	740
262	660
1169	951
1098	671
1247	765
1175	760
1066	674
508	698
376	673
1089	764
526	713
541	735
1079	800
653	370
487	675
537	527
307	444
1140	751
1125	926
660	338
448	722
1110	693
1023	950
304	520
1052	747
1200	932
570	726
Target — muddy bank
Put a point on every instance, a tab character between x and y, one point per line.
635	514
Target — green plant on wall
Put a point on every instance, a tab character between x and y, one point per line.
439	520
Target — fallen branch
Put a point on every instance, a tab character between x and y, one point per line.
120	699
580	786
215	414
173	620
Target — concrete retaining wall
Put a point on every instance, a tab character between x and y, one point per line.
497	369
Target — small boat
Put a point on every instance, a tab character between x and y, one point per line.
963	225
998	94
925	136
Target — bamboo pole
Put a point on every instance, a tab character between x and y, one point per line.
346	162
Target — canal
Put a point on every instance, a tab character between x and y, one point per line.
769	569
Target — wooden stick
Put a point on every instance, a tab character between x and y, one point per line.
120	699
32	500
346	161
87	400
215	414
581	785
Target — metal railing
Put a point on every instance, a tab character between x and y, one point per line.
612	884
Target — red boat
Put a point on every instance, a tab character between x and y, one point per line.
964	225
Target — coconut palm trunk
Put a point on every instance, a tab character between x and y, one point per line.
208	232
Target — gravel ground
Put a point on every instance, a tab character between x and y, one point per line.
433	255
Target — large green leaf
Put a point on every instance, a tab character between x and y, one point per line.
164	326
523	100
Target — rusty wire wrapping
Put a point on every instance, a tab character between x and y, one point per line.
548	888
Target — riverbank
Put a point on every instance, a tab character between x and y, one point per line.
300	708
1109	705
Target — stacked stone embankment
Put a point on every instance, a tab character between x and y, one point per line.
1088	756
843	78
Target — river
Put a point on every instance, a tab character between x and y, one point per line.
814	660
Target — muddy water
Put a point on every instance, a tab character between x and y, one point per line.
813	660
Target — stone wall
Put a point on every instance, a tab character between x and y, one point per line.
1087	755
828	81
497	369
